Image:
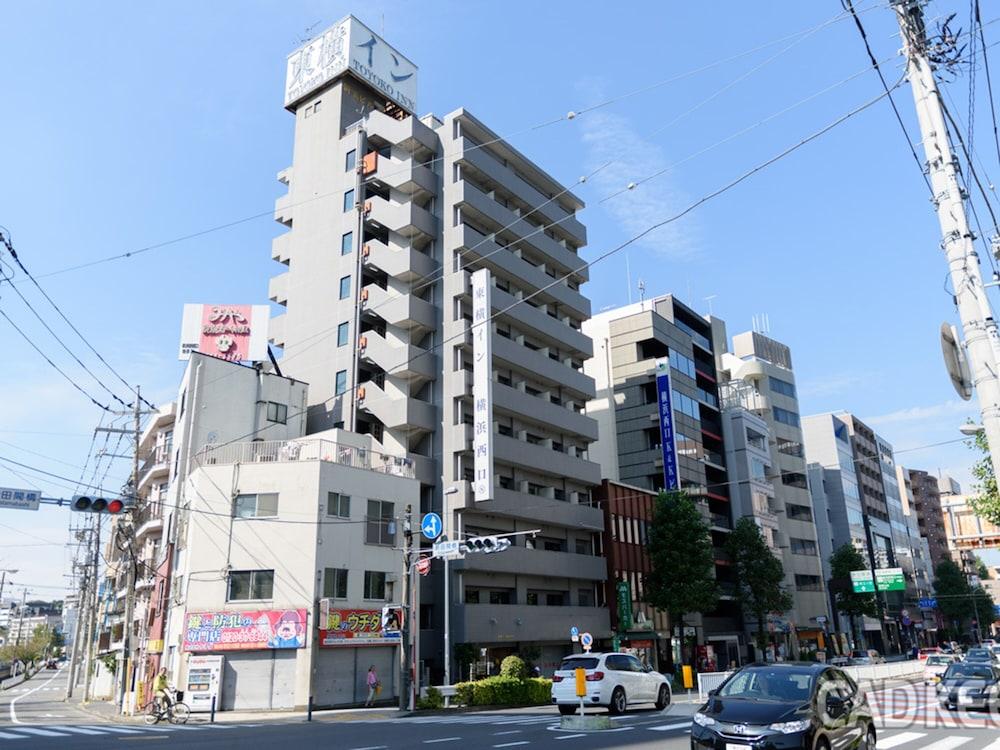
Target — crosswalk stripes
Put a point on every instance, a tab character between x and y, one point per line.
27	732
899	739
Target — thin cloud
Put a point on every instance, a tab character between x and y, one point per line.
609	137
830	385
949	409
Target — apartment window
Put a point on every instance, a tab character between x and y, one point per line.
345	287
532	599
351	160
758	469
338	505
555	599
682	364
500	597
317	105
684	404
472	596
335	583
504	429
785	417
250	585
756	440
277	412
507	483
380	524
782	386
534	439
790	448
374	585
257	506
794	479
802	546
349	200
347	243
340	383
583	547
343	330
585	597
798	512
808	583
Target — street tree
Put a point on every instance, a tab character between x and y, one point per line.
682	564
849	602
954	595
759	575
985	500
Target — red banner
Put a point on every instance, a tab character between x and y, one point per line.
245	631
354	627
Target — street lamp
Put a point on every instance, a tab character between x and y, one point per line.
971	429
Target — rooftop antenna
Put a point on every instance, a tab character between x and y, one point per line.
709	299
642	292
307	31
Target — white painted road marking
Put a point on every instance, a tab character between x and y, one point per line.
41	732
509	731
570	736
13	713
77	730
899	739
442	739
513	744
668	727
948	743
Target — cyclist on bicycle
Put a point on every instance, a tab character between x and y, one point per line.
162	690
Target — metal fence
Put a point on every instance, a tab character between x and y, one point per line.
710	681
277	451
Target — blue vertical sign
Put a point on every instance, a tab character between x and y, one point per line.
668	444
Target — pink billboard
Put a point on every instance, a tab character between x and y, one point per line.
236	333
245	631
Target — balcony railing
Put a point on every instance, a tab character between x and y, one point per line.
277	451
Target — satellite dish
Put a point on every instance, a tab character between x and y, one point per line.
955	361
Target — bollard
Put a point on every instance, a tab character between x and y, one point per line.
212	716
309	710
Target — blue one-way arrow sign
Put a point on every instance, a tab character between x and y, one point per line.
431	526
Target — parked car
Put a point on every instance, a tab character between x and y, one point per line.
981	656
789	706
613	680
923	653
969	685
51	664
935	666
869	656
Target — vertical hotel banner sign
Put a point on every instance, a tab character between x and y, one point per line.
482	385
668	440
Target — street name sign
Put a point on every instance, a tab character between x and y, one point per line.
11	497
449	550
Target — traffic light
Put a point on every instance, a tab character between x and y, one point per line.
91	504
486	544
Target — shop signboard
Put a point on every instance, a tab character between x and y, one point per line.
245	631
353	627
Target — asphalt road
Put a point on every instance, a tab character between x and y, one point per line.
37	717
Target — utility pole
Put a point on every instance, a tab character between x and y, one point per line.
20	617
129	530
979	327
405	669
92	635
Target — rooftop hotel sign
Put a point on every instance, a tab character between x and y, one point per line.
351	47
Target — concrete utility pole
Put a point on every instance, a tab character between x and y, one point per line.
405	673
129	531
92	635
20	617
978	325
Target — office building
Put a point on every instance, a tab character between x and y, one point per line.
767	467
930	518
388	214
629	341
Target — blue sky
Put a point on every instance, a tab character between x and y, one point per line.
126	126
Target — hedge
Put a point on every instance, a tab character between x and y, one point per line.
504	691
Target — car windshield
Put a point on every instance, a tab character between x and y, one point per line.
978	653
769	685
579	662
974	671
937	660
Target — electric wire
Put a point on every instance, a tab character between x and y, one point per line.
989	82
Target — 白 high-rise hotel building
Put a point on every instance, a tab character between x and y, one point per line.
388	215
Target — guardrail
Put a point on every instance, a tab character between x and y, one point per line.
303	449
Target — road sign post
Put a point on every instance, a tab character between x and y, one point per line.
431	526
586	640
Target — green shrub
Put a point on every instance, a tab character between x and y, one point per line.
539	691
463	693
504	691
431	699
513	666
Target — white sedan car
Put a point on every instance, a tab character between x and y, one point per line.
613	680
935	666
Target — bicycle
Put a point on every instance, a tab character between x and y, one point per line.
176	712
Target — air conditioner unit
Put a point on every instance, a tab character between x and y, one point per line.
391	577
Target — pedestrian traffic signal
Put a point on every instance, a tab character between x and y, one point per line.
91	504
486	544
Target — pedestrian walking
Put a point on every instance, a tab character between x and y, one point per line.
373	685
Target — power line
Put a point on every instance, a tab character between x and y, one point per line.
989	82
6	240
849	6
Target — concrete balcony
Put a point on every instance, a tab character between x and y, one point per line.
283	210
574	383
541	510
476	245
407	176
545	461
403	263
276	330
410	133
277	289
397	411
524	561
497	623
281	248
407	219
156	466
558	417
482	204
404	310
569	340
151	527
546	210
399	360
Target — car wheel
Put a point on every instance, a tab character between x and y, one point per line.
822	744
567	710
870	738
663	698
618	702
